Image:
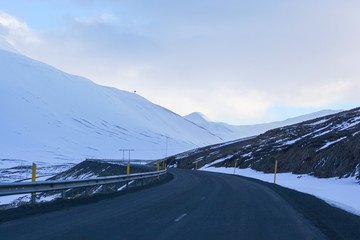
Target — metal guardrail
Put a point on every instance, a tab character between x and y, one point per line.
45	186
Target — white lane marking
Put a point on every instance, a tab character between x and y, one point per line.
180	217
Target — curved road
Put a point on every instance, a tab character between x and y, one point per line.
194	205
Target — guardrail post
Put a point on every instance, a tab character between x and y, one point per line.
33	179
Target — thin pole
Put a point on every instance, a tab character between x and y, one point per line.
33	179
157	164
234	167
275	171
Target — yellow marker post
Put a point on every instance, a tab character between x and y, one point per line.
33	179
128	169
275	171
234	167
196	166
163	166
157	164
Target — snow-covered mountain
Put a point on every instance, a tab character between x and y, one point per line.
51	116
231	132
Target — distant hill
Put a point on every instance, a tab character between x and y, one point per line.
231	132
324	147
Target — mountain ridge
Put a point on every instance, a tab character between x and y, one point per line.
230	132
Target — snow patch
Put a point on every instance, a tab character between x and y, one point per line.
318	122
231	142
215	162
331	143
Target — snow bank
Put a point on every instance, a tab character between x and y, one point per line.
343	193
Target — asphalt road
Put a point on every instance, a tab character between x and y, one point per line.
193	205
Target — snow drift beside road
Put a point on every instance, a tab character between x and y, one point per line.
343	193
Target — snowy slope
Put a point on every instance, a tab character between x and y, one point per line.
231	132
5	45
48	115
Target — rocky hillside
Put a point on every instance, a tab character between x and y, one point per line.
92	168
324	147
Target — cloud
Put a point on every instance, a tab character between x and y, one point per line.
15	30
316	95
102	18
232	60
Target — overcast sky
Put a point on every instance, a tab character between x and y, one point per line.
235	61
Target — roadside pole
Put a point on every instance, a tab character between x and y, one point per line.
234	167
275	171
157	164
128	172
128	169
33	179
